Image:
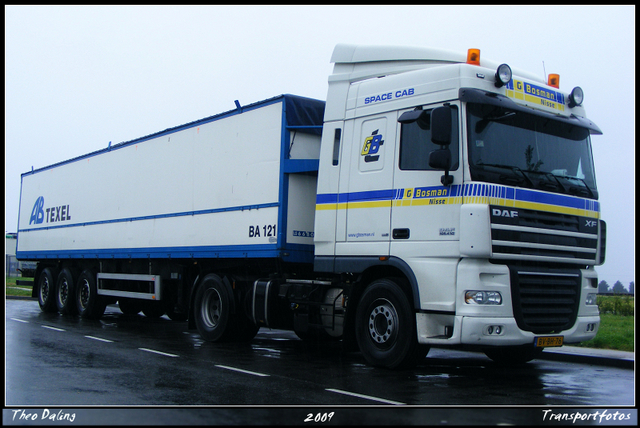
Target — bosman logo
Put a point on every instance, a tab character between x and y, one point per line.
372	146
53	214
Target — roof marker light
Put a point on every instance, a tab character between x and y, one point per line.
554	80
576	97
473	56
503	75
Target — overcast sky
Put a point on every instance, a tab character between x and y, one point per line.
79	77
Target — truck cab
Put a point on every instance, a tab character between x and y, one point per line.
471	182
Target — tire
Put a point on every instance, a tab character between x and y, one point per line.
90	305
513	355
46	290
129	306
152	309
212	309
65	293
386	326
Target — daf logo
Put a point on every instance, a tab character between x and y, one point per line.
590	223
505	213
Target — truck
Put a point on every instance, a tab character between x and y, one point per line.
435	199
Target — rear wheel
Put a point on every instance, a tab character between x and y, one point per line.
46	290
386	326
65	296
214	315
90	305
213	309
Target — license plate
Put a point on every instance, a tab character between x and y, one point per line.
549	341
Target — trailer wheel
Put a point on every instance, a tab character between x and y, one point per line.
513	355
153	309
386	326
213	309
90	305
129	306
65	295
46	290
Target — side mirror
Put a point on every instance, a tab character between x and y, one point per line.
441	126
440	159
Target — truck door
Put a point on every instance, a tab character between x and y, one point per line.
425	211
369	187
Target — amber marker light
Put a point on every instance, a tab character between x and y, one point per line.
554	80
473	56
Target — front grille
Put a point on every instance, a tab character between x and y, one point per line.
545	301
538	236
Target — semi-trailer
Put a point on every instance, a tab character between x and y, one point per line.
433	199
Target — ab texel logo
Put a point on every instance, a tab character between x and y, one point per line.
53	214
37	214
371	146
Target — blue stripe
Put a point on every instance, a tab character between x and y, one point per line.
553	199
470	190
374	195
291	252
153	217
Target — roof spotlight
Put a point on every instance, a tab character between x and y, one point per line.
503	75
576	96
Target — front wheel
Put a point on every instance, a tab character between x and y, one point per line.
386	326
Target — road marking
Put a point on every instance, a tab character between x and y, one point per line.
366	397
99	338
52	328
242	371
158	352
16	319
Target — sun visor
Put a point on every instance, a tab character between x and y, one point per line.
472	95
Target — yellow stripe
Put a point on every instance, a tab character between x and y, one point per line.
462	200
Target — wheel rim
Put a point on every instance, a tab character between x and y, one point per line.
211	308
383	323
85	293
44	289
63	291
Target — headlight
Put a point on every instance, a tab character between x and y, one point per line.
483	297
576	97
503	75
592	299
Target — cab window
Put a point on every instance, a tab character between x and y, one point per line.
416	144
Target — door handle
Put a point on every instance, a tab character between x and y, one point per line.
400	234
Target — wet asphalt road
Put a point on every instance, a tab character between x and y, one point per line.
59	361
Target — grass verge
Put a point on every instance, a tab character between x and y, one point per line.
615	332
11	289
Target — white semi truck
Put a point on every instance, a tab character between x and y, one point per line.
435	199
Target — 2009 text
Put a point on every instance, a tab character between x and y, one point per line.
319	417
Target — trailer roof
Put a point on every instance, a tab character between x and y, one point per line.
300	112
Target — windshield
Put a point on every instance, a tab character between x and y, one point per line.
521	149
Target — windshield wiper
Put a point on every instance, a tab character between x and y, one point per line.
555	177
582	180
